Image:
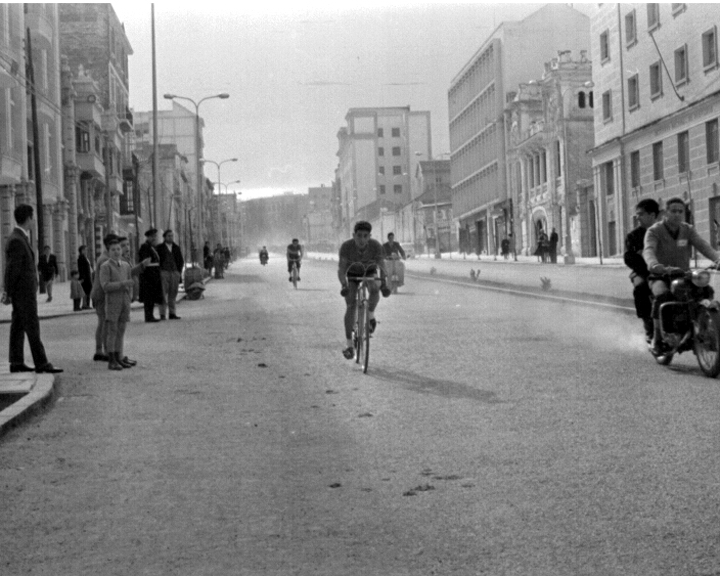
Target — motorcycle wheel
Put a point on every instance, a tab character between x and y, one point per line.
664	359
706	342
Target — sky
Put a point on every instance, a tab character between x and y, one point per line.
294	70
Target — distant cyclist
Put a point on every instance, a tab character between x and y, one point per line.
294	255
360	248
263	255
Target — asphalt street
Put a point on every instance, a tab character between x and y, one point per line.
493	434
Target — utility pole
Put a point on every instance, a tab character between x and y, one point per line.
155	161
36	146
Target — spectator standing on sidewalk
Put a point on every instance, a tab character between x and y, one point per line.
552	246
48	269
20	282
207	258
151	292
98	299
76	291
117	285
171	265
86	275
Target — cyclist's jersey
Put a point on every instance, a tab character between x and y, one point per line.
350	253
294	252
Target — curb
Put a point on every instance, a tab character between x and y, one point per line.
39	396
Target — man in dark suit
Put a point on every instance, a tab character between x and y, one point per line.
171	265
20	290
150	282
48	268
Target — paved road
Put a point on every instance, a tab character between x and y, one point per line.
493	435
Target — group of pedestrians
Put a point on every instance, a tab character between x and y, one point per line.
219	259
546	250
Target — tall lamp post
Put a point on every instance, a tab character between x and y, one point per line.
198	167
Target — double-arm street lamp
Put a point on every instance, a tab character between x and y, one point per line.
218	164
198	167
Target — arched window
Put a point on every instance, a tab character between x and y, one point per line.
581	99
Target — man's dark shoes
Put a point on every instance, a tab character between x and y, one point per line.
48	369
349	353
126	360
174	317
100	357
153	319
113	364
123	363
20	368
373	324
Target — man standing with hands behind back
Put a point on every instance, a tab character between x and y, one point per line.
171	265
20	290
150	282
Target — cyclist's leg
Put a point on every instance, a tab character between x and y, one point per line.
373	296
350	302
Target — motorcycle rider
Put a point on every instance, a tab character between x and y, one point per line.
393	251
647	212
263	255
667	248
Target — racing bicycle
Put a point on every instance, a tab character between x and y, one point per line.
358	278
294	274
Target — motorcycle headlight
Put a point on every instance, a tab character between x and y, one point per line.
676	286
701	278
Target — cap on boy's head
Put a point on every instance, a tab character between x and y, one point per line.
151	232
114	240
122	238
168	231
108	238
363	225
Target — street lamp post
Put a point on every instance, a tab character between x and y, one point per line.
198	168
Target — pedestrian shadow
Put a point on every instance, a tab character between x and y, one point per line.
433	386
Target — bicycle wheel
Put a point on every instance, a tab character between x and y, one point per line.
366	339
360	330
294	275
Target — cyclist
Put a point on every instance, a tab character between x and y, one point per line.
360	248
263	255
294	255
393	251
668	247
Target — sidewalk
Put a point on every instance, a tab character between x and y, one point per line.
25	392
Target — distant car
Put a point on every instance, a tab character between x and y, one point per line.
409	249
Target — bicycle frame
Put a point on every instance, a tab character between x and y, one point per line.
361	336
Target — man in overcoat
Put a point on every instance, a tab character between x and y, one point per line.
171	265
86	275
20	290
150	282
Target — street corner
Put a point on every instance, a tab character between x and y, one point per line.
21	394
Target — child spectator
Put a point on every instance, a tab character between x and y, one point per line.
117	284
76	290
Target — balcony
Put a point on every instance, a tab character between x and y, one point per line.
40	27
126	121
91	163
10	170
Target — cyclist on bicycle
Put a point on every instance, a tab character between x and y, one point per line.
294	256
368	252
263	255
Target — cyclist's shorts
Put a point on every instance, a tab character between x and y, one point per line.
358	271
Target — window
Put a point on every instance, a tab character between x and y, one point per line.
655	80
681	65
653	15
658	161
82	139
380	132
381	170
381	151
590	99
397	188
683	144
396	151
396	132
609	179
630	29
607	106
581	99
709	48
635	168
604	47
558	166
382	188
633	93
397	170
711	140
5	30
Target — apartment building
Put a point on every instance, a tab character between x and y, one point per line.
656	75
477	96
549	133
93	40
23	140
378	152
274	221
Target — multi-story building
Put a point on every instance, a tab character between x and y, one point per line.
28	136
511	55
431	219
225	221
93	40
320	234
656	72
274	221
549	127
378	152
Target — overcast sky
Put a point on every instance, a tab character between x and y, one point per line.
293	72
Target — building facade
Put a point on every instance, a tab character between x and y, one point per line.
477	96
656	72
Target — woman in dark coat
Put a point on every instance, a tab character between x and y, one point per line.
85	275
150	282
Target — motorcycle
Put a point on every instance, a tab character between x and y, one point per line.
393	268
263	259
691	321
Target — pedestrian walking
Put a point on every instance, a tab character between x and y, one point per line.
505	248
542	247
98	300
552	246
171	265
86	275
76	291
117	284
150	282
207	258
48	269
20	290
